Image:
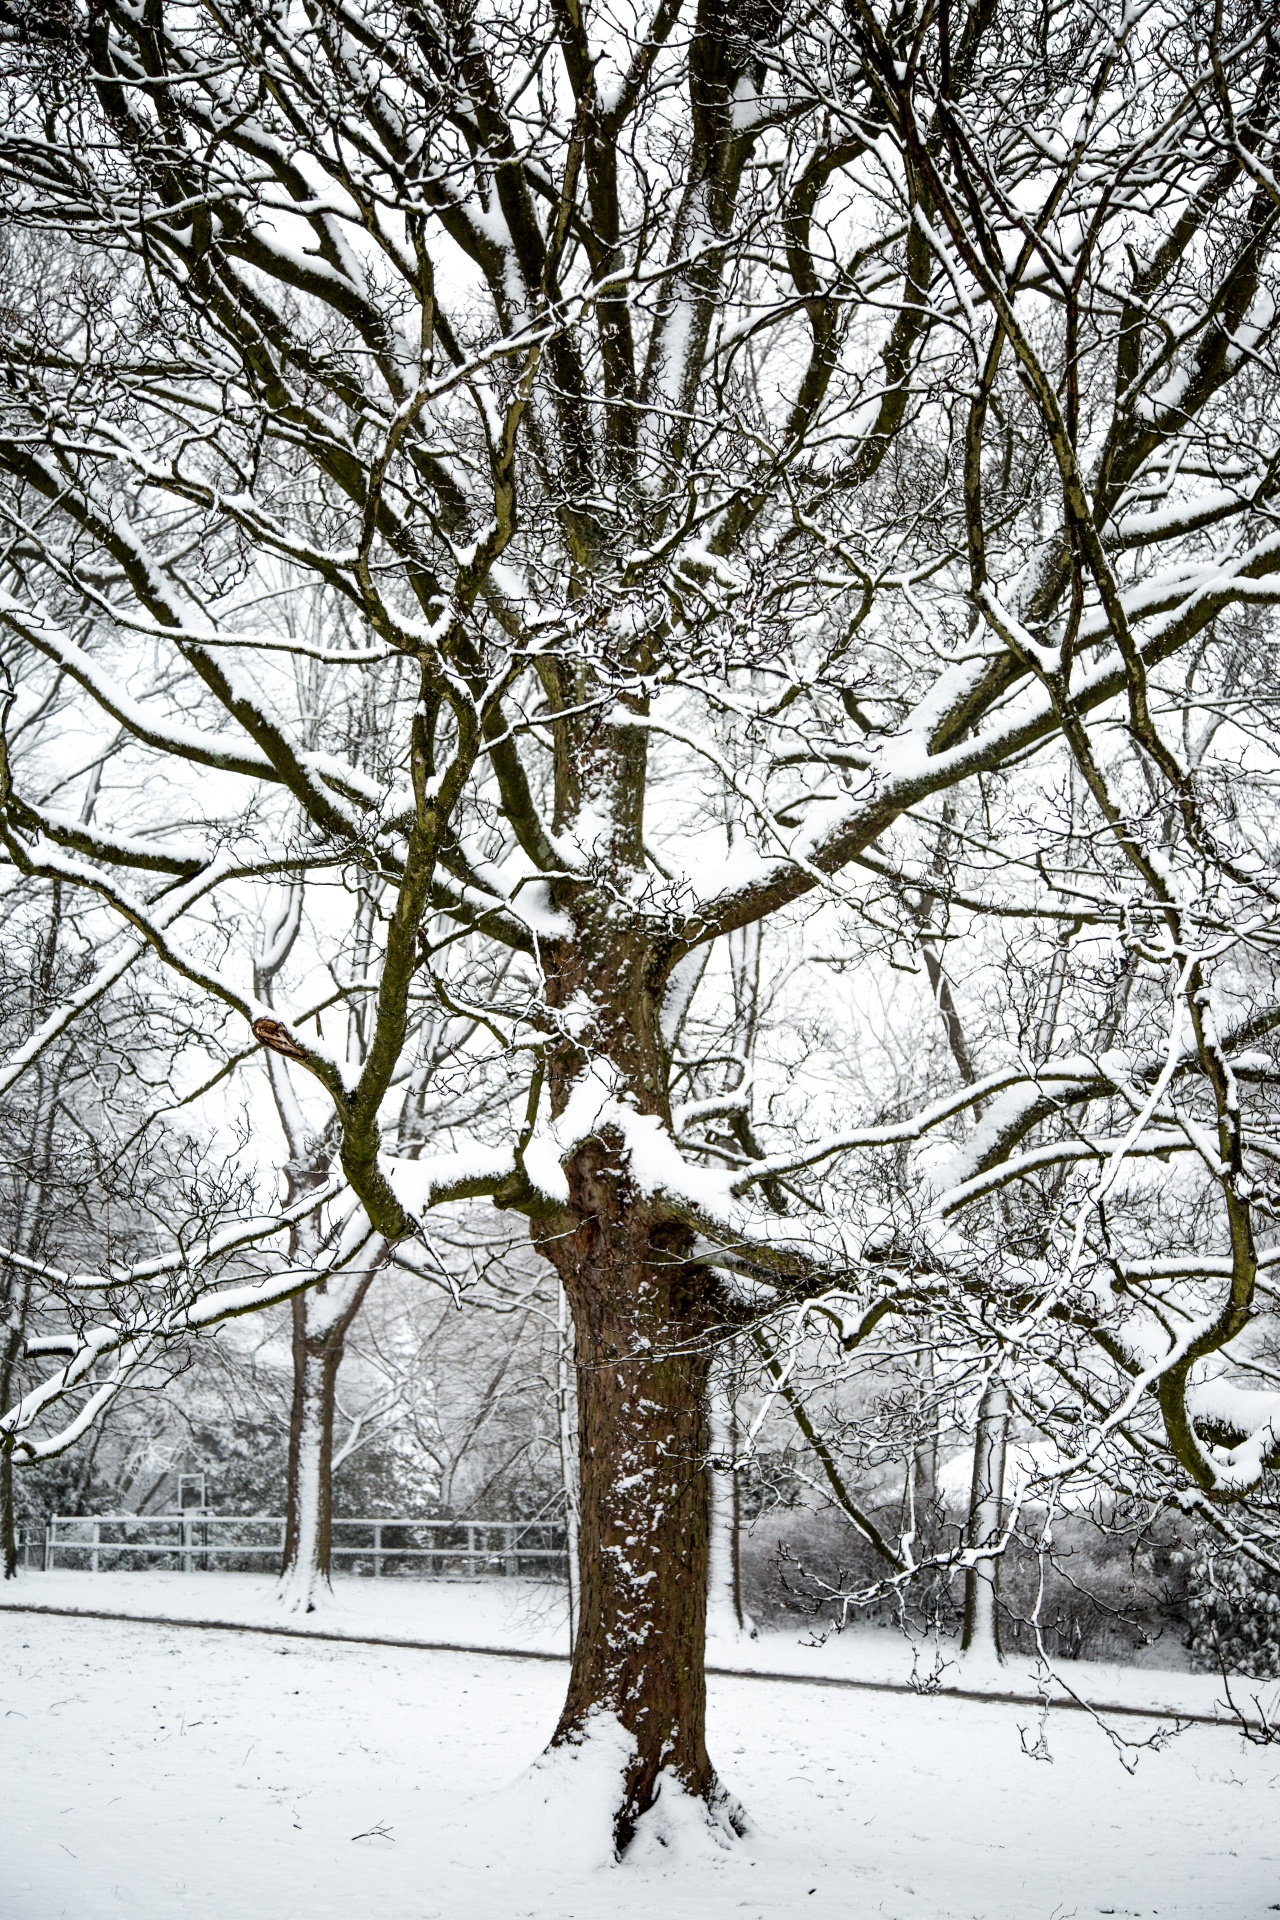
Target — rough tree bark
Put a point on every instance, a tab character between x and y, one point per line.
643	1355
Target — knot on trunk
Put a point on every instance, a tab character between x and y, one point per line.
276	1037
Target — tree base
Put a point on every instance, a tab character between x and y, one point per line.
302	1592
983	1655
573	1804
725	1628
685	1824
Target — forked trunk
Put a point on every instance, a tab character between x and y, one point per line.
642	1356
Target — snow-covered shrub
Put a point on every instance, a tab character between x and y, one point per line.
1233	1609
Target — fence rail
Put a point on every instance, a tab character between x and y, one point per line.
198	1541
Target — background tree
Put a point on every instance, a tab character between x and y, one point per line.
82	1176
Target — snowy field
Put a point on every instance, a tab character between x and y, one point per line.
525	1616
159	1772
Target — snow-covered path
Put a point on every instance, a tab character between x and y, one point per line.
158	1772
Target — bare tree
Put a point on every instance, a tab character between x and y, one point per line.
728	433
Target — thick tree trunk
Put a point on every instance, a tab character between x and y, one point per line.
643	1357
306	1569
981	1635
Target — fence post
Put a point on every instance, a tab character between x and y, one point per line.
188	1541
377	1549
97	1542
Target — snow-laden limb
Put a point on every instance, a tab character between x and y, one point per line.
1190	1266
1067	1081
155	921
188	743
188	1258
905	767
599	1104
44	861
142	1332
1022	1166
322	781
438	1179
929	1117
160	914
1251	1416
720	1204
1232	1431
55	1024
734	1231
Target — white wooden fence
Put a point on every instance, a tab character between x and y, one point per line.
198	1540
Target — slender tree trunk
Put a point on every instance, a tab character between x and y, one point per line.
725	1613
306	1569
8	1520
566	1421
643	1359
10	1355
981	1636
17	1308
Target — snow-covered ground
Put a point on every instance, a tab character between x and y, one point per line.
158	1772
526	1616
